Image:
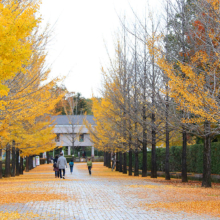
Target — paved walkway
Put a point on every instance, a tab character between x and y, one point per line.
81	196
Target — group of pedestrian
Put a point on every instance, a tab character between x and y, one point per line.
60	162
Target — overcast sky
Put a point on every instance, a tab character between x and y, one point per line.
80	28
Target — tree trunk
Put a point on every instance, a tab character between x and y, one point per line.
167	160
120	161
136	163
17	162
7	162
1	164
153	152
27	164
117	161
206	180
125	163
184	165
48	157
130	162
144	168
107	156
109	160
31	163
13	162
21	166
104	158
106	162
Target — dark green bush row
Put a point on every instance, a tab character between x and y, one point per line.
68	158
3	168
75	152
194	158
43	160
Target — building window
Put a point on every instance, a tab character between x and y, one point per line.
57	139
81	138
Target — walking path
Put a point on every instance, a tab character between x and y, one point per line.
103	195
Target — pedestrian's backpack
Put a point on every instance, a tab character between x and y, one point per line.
55	164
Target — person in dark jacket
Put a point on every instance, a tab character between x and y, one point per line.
71	164
55	167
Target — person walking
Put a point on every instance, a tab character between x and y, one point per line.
61	163
89	164
71	164
55	167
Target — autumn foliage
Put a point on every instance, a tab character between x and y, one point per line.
26	95
162	87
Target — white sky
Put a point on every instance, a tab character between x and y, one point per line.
77	48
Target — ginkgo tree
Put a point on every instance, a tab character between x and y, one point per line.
29	98
120	111
17	23
194	81
104	135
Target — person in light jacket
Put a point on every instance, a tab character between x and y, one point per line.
89	164
62	163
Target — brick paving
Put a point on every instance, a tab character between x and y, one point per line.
94	197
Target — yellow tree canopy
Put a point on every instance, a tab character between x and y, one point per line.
17	22
195	84
29	98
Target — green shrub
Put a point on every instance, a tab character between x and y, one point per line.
43	160
68	158
194	158
215	152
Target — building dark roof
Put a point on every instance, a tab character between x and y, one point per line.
72	119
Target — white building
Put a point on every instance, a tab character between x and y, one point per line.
72	132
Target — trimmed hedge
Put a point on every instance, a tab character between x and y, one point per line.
43	161
68	158
194	158
3	168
